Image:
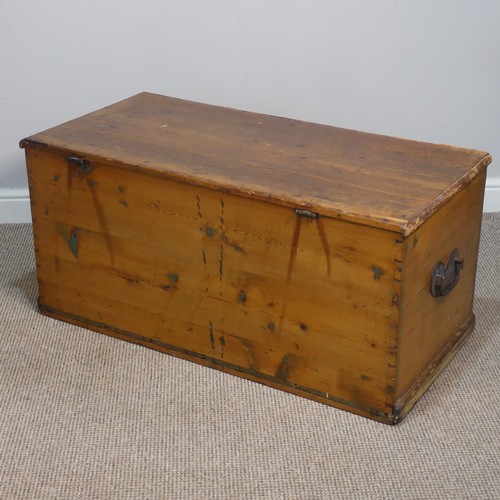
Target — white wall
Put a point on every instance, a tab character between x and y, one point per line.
426	70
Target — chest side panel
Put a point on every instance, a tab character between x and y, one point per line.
304	304
431	326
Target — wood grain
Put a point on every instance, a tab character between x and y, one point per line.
430	322
337	172
181	234
302	302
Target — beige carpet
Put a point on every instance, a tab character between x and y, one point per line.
83	415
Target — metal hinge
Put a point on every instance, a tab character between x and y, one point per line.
83	165
306	213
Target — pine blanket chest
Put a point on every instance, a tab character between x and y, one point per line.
333	264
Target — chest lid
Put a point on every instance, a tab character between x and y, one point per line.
381	181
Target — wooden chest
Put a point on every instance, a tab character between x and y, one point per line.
333	264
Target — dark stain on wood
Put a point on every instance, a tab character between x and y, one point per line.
233	245
293	248
103	223
173	277
377	272
283	369
291	261
326	247
242	296
124	203
211	335
271	326
203	230
210	231
91	183
122	189
57	177
198	206
303	327
221	212
73	242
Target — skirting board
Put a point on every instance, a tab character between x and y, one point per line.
15	203
492	195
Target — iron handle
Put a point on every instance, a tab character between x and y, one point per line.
83	165
445	277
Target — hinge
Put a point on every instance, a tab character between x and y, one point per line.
306	213
83	165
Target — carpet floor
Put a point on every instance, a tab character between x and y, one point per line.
83	415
